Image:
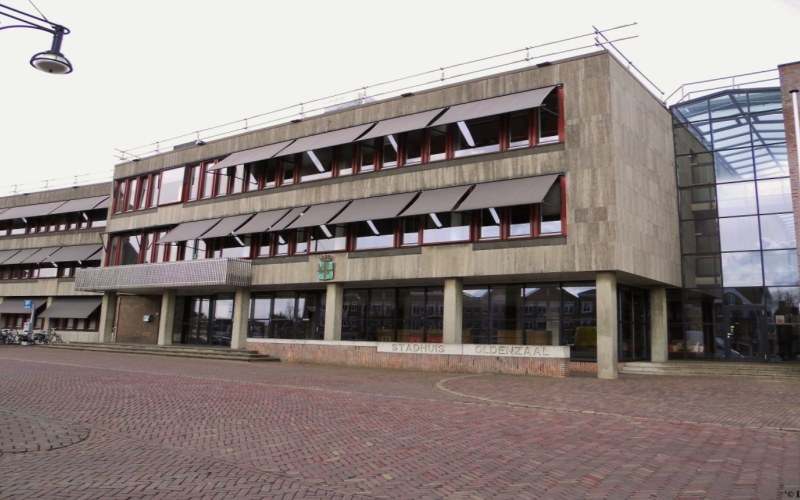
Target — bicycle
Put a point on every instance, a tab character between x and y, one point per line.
54	338
8	336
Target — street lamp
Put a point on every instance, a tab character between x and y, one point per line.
51	61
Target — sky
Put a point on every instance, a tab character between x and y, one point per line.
150	70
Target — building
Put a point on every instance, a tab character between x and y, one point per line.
532	221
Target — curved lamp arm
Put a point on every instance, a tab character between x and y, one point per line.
51	61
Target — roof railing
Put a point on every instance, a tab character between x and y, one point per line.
541	54
59	183
693	90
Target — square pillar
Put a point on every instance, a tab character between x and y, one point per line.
166	319
108	309
453	310
241	317
607	326
46	325
333	311
659	341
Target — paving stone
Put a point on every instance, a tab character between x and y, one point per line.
187	428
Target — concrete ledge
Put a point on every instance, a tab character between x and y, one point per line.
388	252
542	241
356	354
279	260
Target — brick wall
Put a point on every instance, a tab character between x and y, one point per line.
130	326
347	355
587	367
790	80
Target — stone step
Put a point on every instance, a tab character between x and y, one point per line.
173	351
772	371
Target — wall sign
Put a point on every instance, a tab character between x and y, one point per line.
325	268
518	351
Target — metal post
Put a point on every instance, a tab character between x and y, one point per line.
30	325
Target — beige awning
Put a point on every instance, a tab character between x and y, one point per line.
436	201
509	193
379	207
494	106
251	155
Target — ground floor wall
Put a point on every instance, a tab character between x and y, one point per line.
365	354
137	318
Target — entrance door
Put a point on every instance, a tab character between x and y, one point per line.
744	334
197	321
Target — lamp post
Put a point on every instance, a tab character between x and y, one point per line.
51	61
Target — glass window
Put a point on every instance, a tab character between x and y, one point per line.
695	169
550	210
734	165
411	303
238	179
143	193
731	133
196	249
375	234
284	310
700	236
777	231
301	241
330	238
698	203
194	183
264	240
692	139
148	248
269	169
236	247
742	269
520	221
437	143
367	156
737	199
130	250
410	235
413	147
490	224
287	167
171	186
780	268
768	128
434	315
701	271
728	105
481	135
774	196
580	326
316	165
771	161
445	227
548	118
345	160
18	226
223	181
121	189
223	321
208	180
506	315
260	313
252	176
354	308
48	272
155	187
389	152
310	316
133	184
518	129
738	234
282	241
381	315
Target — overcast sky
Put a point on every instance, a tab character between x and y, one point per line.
149	70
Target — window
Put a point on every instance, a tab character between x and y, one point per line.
519	129
437	143
287	167
413	147
446	227
316	165
252	172
155	189
142	203
390	151
519	221
282	242
367	156
269	172
477	136
132	194
130	250
551	211
549	118
48	271
490	224
331	238
208	180
171	186
233	247
194	183
374	234
345	160
223	181
287	315
237	182
410	231
119	203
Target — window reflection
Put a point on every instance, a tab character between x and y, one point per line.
446	226
777	231
477	136
774	196
740	233
375	234
737	199
742	269
780	268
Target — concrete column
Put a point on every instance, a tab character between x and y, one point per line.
333	311
108	309
607	325
241	317
166	318
46	325
659	341
453	310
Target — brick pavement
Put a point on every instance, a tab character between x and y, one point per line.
185	428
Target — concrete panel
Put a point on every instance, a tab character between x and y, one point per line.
65	194
166	320
659	339
241	316
108	311
453	311
334	300
607	326
59	239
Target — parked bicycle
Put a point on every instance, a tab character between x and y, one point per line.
8	336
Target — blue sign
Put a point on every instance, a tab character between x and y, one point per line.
28	304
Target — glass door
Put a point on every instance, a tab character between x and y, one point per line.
197	320
744	334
